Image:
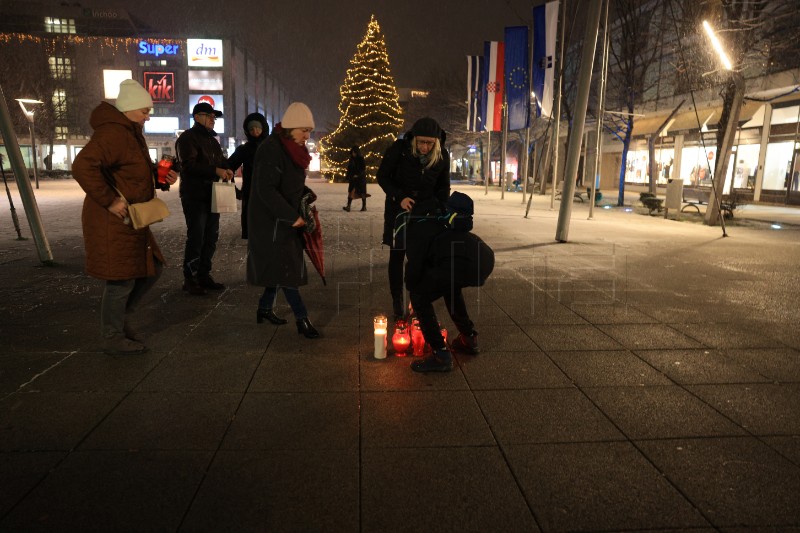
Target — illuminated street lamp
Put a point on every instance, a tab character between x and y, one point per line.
29	116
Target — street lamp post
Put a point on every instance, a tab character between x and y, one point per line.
29	116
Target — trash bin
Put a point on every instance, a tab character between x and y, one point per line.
674	196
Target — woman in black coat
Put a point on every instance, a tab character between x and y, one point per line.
357	178
256	130
275	248
415	175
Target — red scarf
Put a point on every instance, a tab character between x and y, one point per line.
298	153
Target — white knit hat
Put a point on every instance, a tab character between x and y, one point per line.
132	96
297	115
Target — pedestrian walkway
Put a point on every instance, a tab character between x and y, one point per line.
644	375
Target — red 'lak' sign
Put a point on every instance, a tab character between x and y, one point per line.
161	86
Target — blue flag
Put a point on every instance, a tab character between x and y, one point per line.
474	92
517	80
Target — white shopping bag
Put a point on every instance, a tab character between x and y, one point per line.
223	197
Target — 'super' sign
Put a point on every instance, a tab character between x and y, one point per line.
156	49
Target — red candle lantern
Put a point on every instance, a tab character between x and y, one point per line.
417	339
444	333
401	339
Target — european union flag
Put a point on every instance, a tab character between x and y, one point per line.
517	78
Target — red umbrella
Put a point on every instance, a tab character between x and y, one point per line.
313	240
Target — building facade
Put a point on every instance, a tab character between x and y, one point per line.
70	58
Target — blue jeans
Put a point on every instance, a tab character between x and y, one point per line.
202	232
292	295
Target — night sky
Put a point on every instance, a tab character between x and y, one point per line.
308	45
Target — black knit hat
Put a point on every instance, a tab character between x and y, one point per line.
426	127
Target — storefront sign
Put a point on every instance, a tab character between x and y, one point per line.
215	100
161	86
157	49
205	80
162	125
204	52
111	81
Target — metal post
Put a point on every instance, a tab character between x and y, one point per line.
724	154
601	109
14	218
557	113
23	183
503	147
488	174
581	103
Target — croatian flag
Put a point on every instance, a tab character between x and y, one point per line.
492	104
545	24
474	92
517	81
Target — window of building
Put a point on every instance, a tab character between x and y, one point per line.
59	25
62	132
153	63
60	68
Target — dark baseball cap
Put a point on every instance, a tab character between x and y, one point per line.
205	107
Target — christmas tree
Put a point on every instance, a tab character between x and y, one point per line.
371	116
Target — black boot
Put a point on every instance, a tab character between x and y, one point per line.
363	205
270	315
347	207
305	327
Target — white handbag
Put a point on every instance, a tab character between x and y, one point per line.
223	197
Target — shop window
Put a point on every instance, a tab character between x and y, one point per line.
746	165
59	25
776	165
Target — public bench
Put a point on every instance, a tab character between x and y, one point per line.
695	197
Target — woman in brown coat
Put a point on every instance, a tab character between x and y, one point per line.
126	258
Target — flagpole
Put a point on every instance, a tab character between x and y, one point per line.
504	146
593	10
598	156
557	113
487	175
526	158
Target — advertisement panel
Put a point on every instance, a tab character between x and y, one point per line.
204	52
162	125
205	80
161	86
216	102
111	81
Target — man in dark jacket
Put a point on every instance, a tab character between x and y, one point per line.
414	174
256	130
433	272
202	163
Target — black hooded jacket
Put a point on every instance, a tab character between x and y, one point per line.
402	175
245	153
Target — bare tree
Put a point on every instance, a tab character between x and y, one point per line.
635	48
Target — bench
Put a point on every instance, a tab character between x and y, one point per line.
695	197
575	195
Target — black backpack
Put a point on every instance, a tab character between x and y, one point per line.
460	258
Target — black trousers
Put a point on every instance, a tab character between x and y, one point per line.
202	232
429	324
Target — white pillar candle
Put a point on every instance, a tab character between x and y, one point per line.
380	344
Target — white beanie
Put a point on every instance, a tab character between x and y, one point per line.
297	115
132	96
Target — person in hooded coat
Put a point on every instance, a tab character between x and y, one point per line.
415	175
356	178
275	247
127	259
256	130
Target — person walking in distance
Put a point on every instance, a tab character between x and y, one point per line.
202	163
356	178
114	161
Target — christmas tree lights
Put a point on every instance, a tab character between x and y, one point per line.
371	116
